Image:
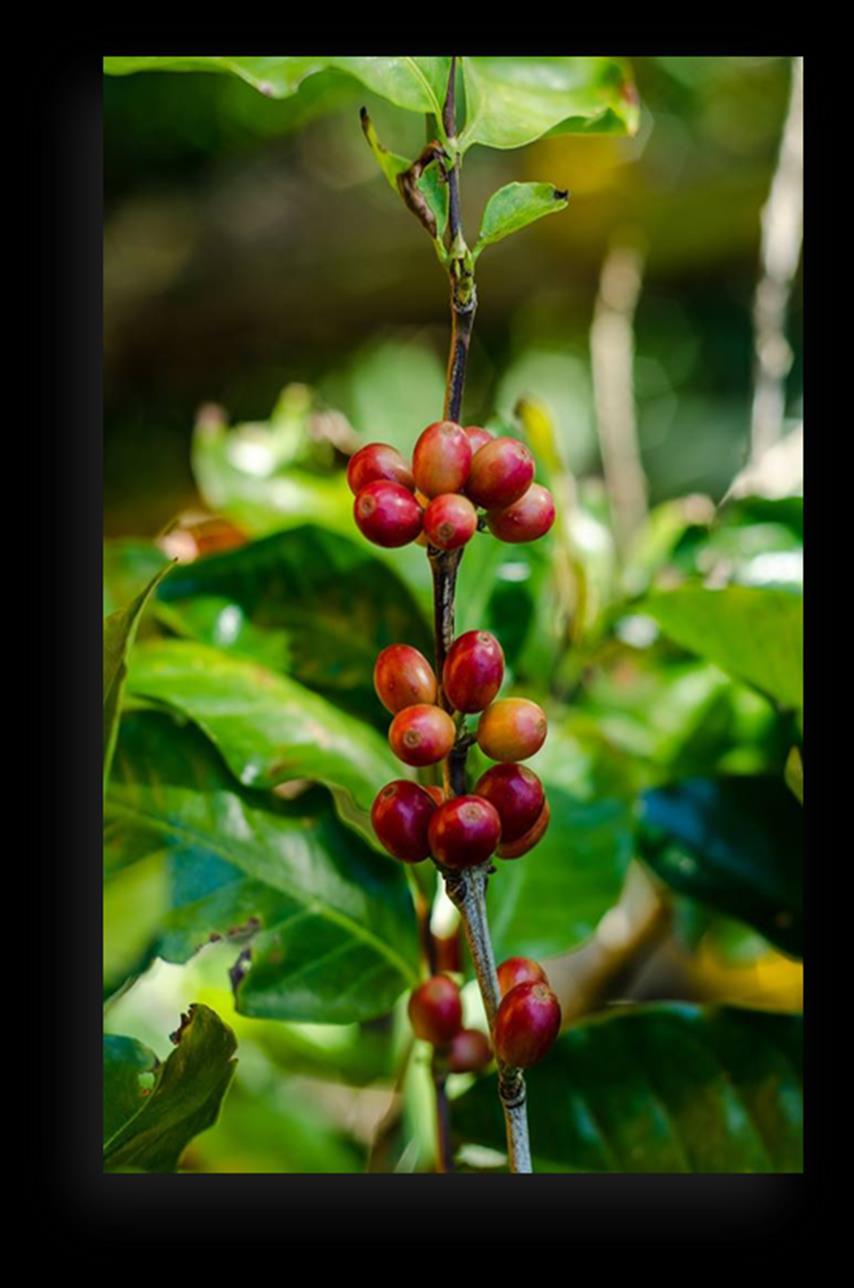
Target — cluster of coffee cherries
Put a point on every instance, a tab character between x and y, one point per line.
526	1023
455	470
507	813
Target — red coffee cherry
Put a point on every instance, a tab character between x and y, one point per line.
463	832
478	437
442	459
421	734
512	729
501	473
519	970
526	842
517	794
450	521
526	519
526	1024
387	514
402	677
378	461
473	671
437	793
435	1010
400	815
470	1051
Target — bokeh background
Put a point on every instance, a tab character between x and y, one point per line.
251	247
250	243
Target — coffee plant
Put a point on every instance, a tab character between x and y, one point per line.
317	736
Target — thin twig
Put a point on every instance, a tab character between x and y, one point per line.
467	889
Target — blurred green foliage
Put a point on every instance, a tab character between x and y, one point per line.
254	261
249	242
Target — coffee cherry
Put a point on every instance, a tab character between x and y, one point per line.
437	793
512	729
526	1024
517	794
519	970
442	459
378	461
470	1051
526	519
473	671
387	514
463	832
400	815
501	473
421	734
478	437
526	842
402	677
435	1010
450	521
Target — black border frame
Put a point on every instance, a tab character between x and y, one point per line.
79	1203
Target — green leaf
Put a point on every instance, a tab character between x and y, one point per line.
753	633
682	716
135	900
128	564
734	843
666	1088
551	899
184	1100
268	728
757	540
307	602
794	773
514	100
328	924
239	476
273	1128
515	206
119	634
429	184
417	84
130	1072
435	192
